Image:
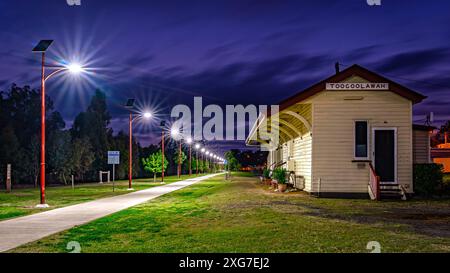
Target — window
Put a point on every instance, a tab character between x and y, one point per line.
361	140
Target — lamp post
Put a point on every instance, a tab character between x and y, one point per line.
203	150
179	159
175	133
162	125
197	147
146	115
42	47
189	142
206	156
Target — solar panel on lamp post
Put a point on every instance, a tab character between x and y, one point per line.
42	48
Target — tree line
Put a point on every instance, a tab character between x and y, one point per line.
80	150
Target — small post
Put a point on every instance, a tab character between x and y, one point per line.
8	178
73	182
100	176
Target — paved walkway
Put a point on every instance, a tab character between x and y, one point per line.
22	230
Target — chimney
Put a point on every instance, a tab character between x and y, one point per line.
336	66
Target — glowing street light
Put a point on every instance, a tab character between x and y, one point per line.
42	47
146	115
75	68
174	132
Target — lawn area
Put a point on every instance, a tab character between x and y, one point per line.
243	216
23	201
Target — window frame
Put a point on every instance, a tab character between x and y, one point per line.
367	157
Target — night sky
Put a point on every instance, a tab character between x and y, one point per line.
230	52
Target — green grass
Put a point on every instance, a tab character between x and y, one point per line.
22	202
244	216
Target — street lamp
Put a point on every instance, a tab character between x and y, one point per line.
175	132
197	147
42	47
203	150
189	142
162	125
146	115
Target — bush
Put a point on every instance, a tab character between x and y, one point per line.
279	174
428	179
266	173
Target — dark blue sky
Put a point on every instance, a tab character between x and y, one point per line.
234	51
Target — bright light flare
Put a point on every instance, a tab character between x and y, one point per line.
189	140
75	68
174	132
197	146
147	115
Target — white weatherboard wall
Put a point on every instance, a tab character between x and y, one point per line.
302	157
333	133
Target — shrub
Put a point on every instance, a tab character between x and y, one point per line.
428	178
279	174
266	173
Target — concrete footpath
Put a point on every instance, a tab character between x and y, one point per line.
22	230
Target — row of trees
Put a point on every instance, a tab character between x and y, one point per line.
80	150
153	163
237	159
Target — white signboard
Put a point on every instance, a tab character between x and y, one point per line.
113	157
358	86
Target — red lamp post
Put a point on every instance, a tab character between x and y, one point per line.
130	154
189	142
179	160
197	147
146	115
42	47
162	126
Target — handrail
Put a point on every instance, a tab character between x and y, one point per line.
374	184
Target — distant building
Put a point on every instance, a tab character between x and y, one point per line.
441	154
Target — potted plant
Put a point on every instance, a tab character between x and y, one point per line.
279	175
266	176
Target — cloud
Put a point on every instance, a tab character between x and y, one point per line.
415	61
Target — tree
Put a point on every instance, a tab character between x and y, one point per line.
153	164
82	156
20	121
177	157
59	154
232	162
93	125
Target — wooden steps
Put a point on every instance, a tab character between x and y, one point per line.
392	191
